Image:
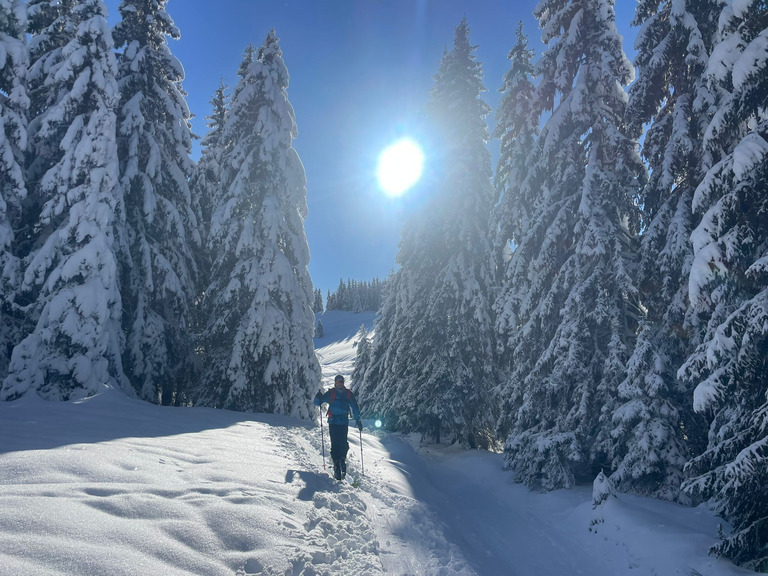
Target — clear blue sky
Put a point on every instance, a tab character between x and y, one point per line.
361	71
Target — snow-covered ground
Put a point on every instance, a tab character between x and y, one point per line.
113	486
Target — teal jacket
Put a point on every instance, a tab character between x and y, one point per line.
340	402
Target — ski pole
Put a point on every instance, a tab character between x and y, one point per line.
322	437
362	466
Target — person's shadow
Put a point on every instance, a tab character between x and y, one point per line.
313	482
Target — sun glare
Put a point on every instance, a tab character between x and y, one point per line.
400	167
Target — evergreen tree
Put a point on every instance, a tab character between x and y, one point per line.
258	346
431	370
378	289
729	288
159	273
362	355
342	300
671	95
319	332
71	277
356	296
572	322
377	395
206	179
50	28
13	141
517	127
204	186
317	307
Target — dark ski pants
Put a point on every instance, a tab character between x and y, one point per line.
339	443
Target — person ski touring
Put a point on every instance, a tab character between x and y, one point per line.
340	401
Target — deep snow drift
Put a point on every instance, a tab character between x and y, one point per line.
115	486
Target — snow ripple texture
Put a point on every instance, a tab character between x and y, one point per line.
112	485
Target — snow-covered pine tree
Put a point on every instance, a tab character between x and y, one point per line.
432	365
575	313
205	185
50	29
206	179
342	296
655	426
71	277
348	297
355	296
258	348
362	355
13	142
159	271
317	306
517	127
729	289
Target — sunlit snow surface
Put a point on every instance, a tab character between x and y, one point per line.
113	486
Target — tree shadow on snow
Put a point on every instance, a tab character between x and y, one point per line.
32	423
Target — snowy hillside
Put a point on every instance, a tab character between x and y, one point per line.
336	350
115	486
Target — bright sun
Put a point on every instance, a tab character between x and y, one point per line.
400	167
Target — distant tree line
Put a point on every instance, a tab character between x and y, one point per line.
356	296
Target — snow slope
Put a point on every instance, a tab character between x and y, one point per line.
336	350
114	486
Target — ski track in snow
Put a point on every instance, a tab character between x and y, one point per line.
245	497
115	486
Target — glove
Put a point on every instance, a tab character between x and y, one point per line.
360	425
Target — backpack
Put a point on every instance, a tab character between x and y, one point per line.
333	397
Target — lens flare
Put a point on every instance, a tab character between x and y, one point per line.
400	167
378	423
